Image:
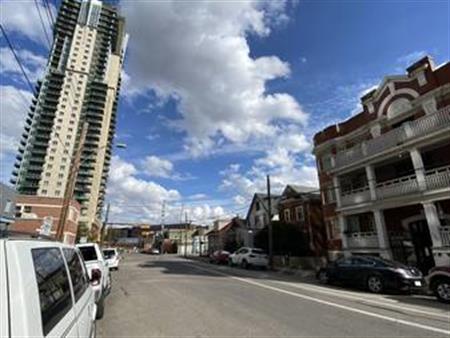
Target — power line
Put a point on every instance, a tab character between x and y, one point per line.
17	58
49	12
42	23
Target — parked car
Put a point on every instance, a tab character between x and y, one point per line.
112	257
98	271
249	257
219	257
438	280
374	273
44	290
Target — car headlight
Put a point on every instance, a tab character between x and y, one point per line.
403	273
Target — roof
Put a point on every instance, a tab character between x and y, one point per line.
261	197
302	188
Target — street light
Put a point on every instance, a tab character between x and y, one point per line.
70	185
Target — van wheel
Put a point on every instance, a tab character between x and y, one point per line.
100	308
441	289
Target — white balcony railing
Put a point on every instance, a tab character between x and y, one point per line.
362	240
355	196
410	130
445	235
438	178
397	187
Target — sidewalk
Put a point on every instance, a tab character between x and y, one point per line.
301	273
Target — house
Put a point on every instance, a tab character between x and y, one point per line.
302	206
200	240
385	173
258	212
229	237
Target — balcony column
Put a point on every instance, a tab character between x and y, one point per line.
337	189
383	238
418	168
434	224
372	182
341	221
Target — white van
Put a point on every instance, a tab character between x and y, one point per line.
44	290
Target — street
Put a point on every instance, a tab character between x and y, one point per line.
168	296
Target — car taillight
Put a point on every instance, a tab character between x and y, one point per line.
96	276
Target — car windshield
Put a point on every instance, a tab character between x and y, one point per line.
88	253
109	253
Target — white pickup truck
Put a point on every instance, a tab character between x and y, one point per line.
44	290
98	270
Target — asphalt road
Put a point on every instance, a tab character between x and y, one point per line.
168	296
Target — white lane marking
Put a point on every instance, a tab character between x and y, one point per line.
325	302
337	293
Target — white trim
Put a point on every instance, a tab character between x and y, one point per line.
408	91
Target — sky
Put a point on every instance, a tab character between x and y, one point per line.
217	95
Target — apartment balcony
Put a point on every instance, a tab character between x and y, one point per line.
396	187
408	131
438	178
355	196
357	240
445	235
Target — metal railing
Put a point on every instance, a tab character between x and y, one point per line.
398	186
395	137
362	240
355	196
445	235
438	178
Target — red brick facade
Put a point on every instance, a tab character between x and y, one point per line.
31	211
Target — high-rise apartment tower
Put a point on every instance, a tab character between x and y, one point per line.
81	84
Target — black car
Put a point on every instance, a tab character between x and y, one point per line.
374	273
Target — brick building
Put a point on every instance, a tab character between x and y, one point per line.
302	206
385	172
32	211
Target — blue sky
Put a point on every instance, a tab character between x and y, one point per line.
217	95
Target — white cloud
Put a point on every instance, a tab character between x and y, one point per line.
22	17
204	63
157	167
13	108
135	198
408	59
33	64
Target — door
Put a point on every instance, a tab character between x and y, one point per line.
343	270
421	240
83	294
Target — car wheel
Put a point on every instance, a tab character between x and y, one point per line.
442	290
375	284
100	308
323	277
244	264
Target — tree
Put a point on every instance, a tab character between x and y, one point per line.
288	239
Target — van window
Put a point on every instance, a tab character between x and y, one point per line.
77	273
53	285
108	253
88	253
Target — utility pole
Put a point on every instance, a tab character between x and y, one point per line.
70	186
270	228
185	234
105	224
163	217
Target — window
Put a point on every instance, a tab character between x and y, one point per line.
45	183
8	206
58	192
299	214
88	253
77	273
63	167
258	206
58	184
53	285
287	215
60	175
330	195
47	174
44	192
